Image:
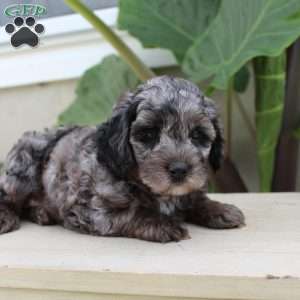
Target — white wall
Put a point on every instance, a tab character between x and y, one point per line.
31	107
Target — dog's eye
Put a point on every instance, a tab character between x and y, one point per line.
199	137
147	135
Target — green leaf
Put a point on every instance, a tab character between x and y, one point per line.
98	90
241	79
242	30
171	24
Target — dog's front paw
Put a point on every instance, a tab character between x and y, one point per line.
172	232
162	231
224	216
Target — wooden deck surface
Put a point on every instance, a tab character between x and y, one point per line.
258	262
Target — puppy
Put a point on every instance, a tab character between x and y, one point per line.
139	175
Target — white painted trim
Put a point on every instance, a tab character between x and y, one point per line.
68	47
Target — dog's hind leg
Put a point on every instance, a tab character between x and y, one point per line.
14	192
9	220
21	179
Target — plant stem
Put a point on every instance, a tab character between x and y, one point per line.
287	152
245	116
141	70
269	101
228	118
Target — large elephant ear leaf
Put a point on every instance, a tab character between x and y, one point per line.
241	31
241	79
171	24
98	90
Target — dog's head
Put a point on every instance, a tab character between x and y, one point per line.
168	132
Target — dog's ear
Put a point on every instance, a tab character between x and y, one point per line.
217	149
112	138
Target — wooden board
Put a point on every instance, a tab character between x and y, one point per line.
258	262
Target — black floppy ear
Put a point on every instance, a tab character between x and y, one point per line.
112	138
217	150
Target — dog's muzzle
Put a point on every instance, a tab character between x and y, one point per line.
178	171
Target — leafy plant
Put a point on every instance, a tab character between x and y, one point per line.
98	90
215	40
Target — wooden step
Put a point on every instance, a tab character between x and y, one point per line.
258	262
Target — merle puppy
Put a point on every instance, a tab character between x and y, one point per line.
139	175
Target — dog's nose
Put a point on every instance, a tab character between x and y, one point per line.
178	170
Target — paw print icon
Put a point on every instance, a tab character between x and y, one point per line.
24	31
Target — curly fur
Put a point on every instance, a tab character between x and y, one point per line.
140	174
